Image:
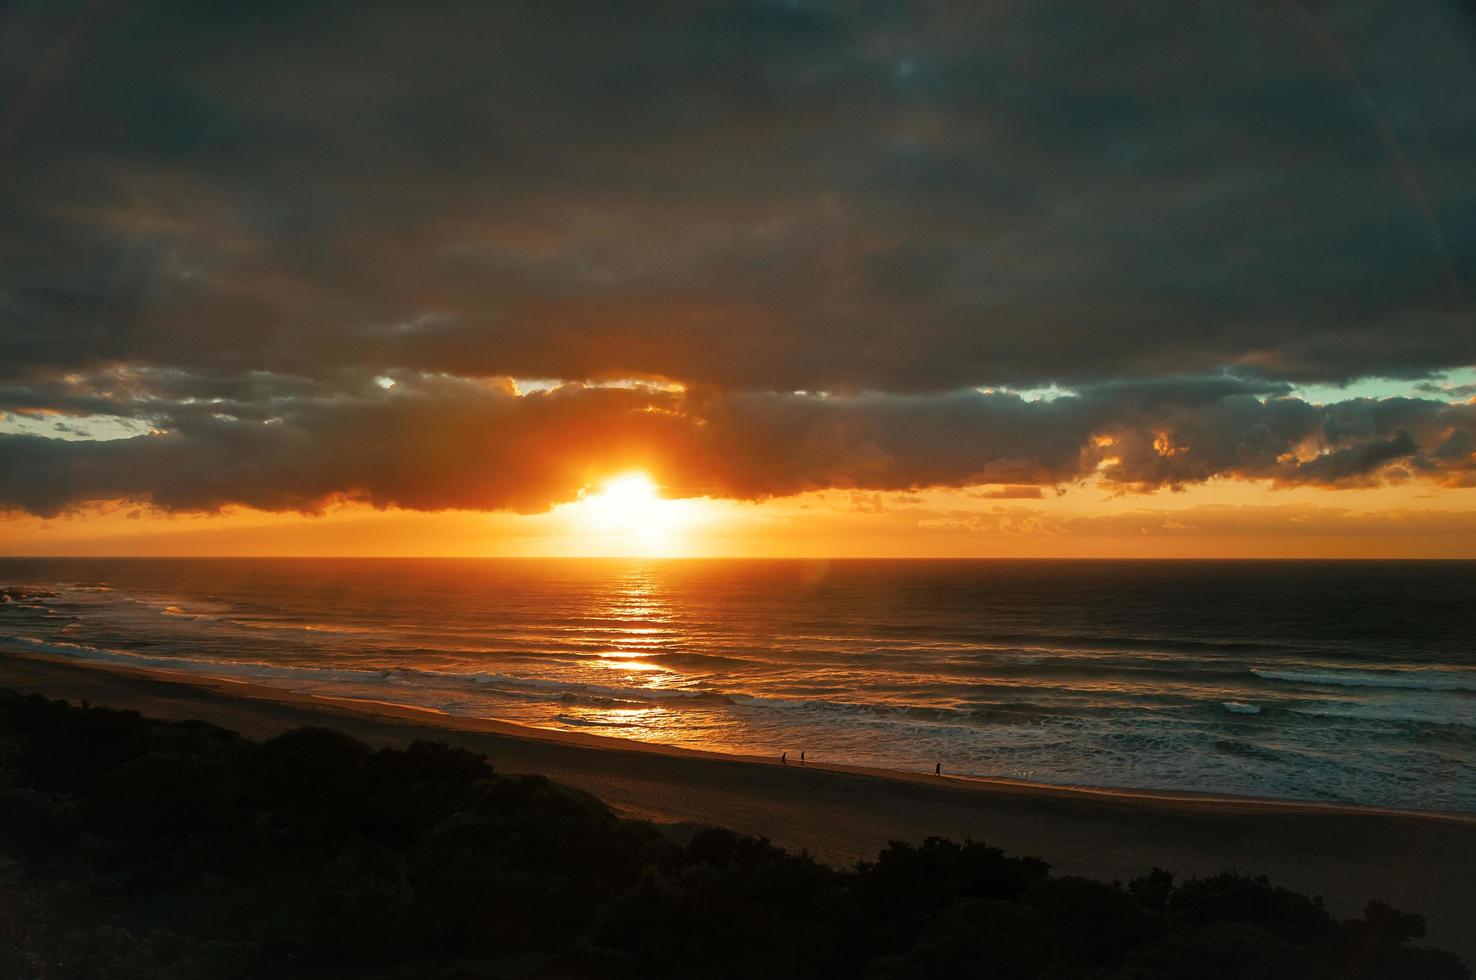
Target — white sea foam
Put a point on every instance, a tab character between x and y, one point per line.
1241	708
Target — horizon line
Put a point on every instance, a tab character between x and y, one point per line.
756	558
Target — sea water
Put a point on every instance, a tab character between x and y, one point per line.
1337	681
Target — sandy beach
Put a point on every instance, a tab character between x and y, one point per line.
1418	861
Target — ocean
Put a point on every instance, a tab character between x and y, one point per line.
1352	682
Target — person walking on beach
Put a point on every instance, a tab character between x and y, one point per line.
938	769
802	756
784	758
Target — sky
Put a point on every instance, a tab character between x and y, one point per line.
1011	278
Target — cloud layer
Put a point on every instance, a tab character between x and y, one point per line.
226	223
442	442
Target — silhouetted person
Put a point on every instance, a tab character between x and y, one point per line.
784	758
802	756
938	769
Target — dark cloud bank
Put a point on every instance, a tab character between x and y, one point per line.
442	442
227	222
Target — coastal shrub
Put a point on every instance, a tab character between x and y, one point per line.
1224	950
739	904
526	861
132	848
313	784
1254	901
1152	890
982	938
1378	945
35	825
908	884
410	791
162	798
63	748
358	908
1099	923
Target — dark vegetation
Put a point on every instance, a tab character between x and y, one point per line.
132	848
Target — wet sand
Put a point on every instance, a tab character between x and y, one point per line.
1416	861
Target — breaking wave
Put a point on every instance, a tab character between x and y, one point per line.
1414	680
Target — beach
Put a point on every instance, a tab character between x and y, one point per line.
1417	861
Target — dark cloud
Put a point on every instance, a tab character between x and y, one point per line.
446	444
1448	391
1355	462
435	442
226	222
834	197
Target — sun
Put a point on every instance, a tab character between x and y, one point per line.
629	503
630	516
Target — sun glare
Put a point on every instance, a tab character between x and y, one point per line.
625	503
630	516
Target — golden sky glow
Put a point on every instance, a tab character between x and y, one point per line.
627	515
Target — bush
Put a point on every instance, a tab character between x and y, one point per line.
162	798
185	851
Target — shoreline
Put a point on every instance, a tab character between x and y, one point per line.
1415	860
377	708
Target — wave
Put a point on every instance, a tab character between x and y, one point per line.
1030	651
1248	750
1069	666
1414	680
228	668
663	661
1119	642
256	670
1402	715
969	715
973	714
592	722
286	627
581	688
399	638
538	688
26	596
1240	708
